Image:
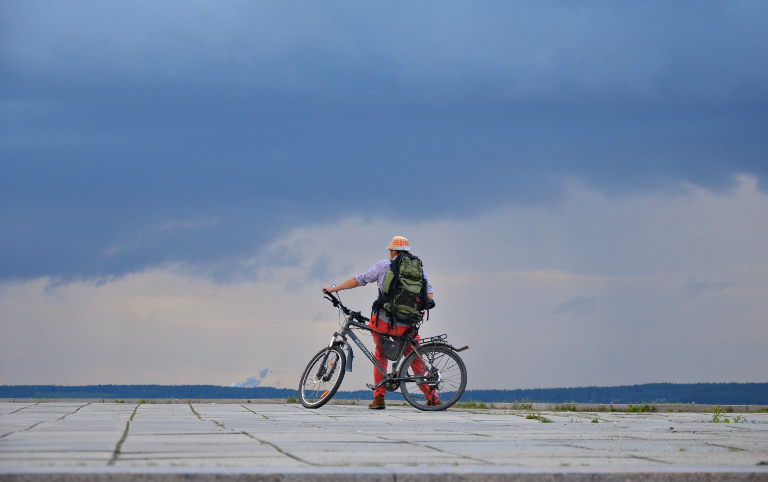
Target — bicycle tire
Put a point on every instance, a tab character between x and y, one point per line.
453	377
314	391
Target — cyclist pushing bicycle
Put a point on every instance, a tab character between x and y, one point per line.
431	366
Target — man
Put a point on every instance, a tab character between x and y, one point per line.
380	323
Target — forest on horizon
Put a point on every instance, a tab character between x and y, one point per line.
703	393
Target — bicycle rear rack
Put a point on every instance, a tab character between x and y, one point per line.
441	340
434	339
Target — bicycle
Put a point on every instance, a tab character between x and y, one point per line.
444	373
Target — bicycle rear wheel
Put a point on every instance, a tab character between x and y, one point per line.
443	377
321	379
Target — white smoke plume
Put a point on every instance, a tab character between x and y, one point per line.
251	382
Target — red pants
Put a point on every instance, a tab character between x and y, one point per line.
417	366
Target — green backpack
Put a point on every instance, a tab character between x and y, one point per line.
404	294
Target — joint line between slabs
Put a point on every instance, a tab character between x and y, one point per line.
24	430
195	412
436	449
623	453
455	455
72	413
650	459
259	414
732	449
20	409
278	449
116	452
17	431
38	423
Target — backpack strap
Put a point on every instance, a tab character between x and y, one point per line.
393	283
378	303
392	288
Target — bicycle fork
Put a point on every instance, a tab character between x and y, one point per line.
321	372
347	347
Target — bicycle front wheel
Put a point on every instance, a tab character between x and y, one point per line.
322	377
437	378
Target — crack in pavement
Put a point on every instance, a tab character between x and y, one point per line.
116	452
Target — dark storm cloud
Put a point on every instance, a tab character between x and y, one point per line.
135	134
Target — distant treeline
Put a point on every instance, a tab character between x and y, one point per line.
141	391
705	393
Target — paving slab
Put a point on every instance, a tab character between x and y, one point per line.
174	441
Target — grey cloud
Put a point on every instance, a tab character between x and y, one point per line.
439	52
580	305
696	288
615	270
135	134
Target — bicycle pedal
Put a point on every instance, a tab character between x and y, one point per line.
370	386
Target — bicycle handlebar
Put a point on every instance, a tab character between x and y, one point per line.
356	314
329	296
338	304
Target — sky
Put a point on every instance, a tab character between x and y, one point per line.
584	181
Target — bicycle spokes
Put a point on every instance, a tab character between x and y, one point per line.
435	380
431	377
322	377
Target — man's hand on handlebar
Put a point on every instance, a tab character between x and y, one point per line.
330	297
345	285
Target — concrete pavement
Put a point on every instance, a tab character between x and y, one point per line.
286	442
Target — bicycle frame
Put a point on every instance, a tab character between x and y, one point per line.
346	331
431	364
340	338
